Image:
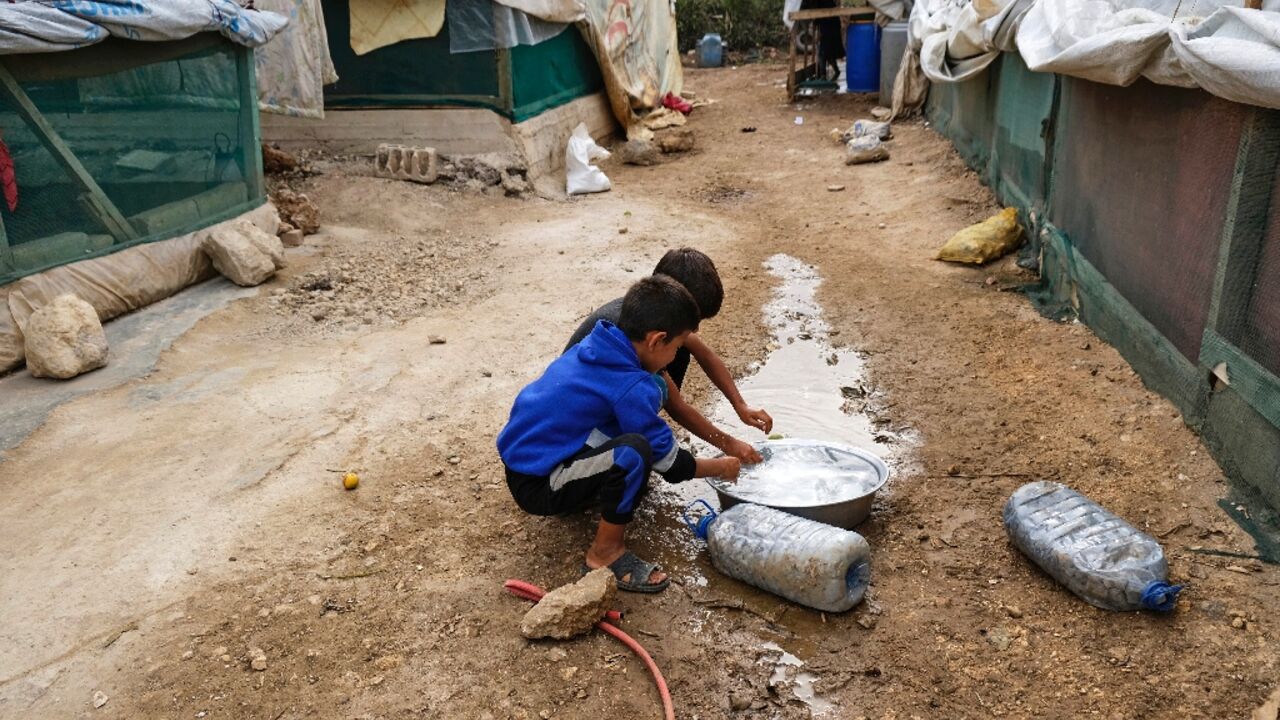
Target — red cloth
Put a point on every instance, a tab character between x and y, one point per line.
8	178
675	102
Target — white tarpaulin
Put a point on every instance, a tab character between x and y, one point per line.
1231	52
31	26
958	40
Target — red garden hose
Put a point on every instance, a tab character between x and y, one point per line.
522	589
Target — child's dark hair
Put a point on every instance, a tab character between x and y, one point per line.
695	271
657	303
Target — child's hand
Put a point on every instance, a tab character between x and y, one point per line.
742	451
756	418
729	468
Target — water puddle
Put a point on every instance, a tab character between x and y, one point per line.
788	672
813	391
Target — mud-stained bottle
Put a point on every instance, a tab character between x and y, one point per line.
1098	556
805	561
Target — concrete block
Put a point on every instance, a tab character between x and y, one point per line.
400	162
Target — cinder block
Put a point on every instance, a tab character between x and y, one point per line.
415	164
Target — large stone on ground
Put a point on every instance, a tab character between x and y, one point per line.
573	609
297	210
276	161
638	152
65	339
237	257
264	241
675	140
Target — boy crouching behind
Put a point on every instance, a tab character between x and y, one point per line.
588	430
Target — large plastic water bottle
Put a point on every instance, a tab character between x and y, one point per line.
1100	557
804	561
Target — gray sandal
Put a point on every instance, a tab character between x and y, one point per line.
629	564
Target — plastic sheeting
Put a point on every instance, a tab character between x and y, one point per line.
114	284
1228	51
476	25
558	11
34	26
635	45
958	40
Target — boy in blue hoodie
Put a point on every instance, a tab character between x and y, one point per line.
589	430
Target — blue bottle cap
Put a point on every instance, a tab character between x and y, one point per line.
1160	596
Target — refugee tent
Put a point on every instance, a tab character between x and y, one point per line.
121	123
518	59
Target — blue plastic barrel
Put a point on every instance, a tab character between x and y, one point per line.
862	57
710	51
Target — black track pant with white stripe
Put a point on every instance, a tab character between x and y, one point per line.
616	474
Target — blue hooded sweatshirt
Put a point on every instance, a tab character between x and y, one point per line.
594	392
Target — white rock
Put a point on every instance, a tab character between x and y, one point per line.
99	698
292	238
64	339
266	242
572	609
257	659
238	258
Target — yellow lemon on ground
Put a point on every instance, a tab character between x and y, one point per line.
350	481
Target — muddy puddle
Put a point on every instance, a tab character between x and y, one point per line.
814	390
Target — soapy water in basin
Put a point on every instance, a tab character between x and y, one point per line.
800	474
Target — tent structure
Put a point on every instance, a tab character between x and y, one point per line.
1150	186
119	129
475	76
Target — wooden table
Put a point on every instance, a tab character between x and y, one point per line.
808	69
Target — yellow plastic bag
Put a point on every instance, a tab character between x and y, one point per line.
979	244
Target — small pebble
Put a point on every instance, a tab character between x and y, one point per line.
1014	611
99	698
436	340
257	659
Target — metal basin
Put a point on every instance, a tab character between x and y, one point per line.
828	482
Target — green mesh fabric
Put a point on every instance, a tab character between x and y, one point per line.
157	127
1024	102
963	112
1157	224
553	73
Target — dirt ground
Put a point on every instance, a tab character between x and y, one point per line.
158	531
